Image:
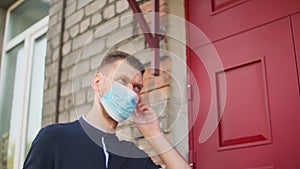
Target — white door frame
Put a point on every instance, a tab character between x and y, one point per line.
28	37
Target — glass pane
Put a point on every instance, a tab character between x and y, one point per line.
25	15
36	90
10	101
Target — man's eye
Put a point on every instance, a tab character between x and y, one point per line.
137	88
123	81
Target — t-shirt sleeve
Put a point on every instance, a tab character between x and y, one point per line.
40	155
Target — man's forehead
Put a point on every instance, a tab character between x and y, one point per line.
122	67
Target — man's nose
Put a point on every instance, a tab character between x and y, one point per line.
130	86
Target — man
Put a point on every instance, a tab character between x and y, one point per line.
90	142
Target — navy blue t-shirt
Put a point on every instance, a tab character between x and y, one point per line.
79	145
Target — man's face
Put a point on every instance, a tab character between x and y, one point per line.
123	73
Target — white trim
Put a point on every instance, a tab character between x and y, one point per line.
12	7
28	37
27	32
24	86
24	118
15	5
29	48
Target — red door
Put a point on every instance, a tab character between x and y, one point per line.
249	112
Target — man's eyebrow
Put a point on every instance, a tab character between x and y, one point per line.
121	75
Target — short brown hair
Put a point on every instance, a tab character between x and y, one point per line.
117	55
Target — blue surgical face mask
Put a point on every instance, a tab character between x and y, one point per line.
119	101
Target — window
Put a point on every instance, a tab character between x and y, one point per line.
22	79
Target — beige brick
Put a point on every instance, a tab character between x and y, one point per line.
69	2
94	7
133	46
55	41
51	69
109	11
48	58
46	120
71	72
49	108
106	27
70	9
95	47
70	59
55	8
86	80
50	95
54	31
84	25
82	3
66	49
76	84
55	54
81	68
63	117
121	6
68	101
145	56
66	88
95	61
80	97
66	36
53	20
59	16
46	84
96	19
74	30
74	18
119	36
73	115
82	110
61	104
64	75
90	94
53	81
82	40
126	18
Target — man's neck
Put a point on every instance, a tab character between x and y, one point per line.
98	117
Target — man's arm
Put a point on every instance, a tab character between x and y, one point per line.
147	122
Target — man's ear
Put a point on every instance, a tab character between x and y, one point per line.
97	82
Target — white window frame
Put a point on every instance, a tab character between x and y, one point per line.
28	37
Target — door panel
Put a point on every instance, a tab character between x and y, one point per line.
247	124
234	16
259	125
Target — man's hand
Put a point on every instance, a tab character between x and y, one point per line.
146	120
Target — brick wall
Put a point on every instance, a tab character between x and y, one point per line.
92	27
